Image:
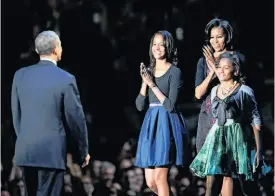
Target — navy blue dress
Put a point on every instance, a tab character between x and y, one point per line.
163	133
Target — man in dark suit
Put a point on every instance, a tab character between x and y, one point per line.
42	94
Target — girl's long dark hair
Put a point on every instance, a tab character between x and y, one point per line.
170	51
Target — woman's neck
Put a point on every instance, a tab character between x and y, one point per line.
218	53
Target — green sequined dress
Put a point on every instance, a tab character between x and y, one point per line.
229	148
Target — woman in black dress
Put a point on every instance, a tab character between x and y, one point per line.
219	36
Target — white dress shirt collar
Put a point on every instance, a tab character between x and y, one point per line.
48	59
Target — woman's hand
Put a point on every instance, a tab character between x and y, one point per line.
210	61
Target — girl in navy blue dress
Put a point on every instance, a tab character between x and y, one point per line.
162	137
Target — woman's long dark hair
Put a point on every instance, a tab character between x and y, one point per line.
170	51
236	65
227	30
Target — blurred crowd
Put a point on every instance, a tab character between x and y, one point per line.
121	178
103	43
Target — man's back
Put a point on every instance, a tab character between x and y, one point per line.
42	96
41	138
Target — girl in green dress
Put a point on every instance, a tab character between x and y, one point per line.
230	150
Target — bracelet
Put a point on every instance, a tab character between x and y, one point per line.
153	86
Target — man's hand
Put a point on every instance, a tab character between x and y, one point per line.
86	162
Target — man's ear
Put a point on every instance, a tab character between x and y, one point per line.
54	51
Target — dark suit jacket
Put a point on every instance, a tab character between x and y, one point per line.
41	95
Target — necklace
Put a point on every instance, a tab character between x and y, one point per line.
226	91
